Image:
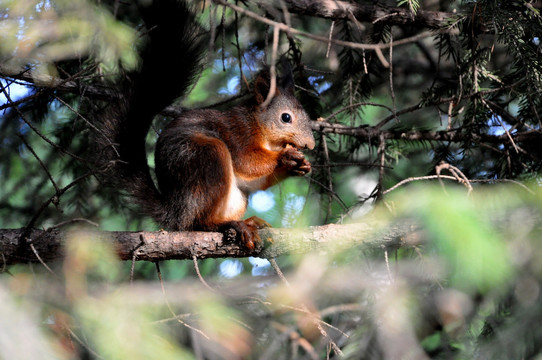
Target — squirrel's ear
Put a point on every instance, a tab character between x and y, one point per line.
261	86
287	78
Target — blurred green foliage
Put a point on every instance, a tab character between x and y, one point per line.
454	289
65	29
475	251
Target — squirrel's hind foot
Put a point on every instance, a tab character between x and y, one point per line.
246	231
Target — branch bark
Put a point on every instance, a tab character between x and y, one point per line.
371	133
337	10
163	245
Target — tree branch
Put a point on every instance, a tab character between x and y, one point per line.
366	133
53	83
73	86
325	39
369	13
163	245
371	133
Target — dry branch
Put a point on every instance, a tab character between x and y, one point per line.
374	134
369	13
163	245
325	39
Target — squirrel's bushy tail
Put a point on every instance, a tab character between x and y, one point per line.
171	58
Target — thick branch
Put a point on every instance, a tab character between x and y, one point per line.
162	245
369	133
368	13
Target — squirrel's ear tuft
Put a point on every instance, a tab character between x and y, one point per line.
286	81
261	86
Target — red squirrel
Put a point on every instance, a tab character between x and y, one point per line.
207	161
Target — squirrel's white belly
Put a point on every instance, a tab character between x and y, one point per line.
235	202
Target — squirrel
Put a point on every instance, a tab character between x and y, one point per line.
207	161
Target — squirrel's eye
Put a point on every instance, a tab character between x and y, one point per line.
285	117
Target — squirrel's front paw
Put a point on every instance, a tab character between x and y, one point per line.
294	162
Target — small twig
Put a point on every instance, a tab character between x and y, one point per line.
365	67
327	169
134	258
297	338
420	178
341	308
382	155
272	69
223	37
502	125
335	195
279	272
171	309
385	17
396	114
533	108
90	124
308	312
132	267
330	37
239	53
41	260
348	107
450	107
23	100
313	316
4	263
174	318
448	177
63	223
286	13
461	178
82	343
52	199
195	260
394	105
382	58
39	161
387	262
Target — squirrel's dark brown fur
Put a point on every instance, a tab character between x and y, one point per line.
207	161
